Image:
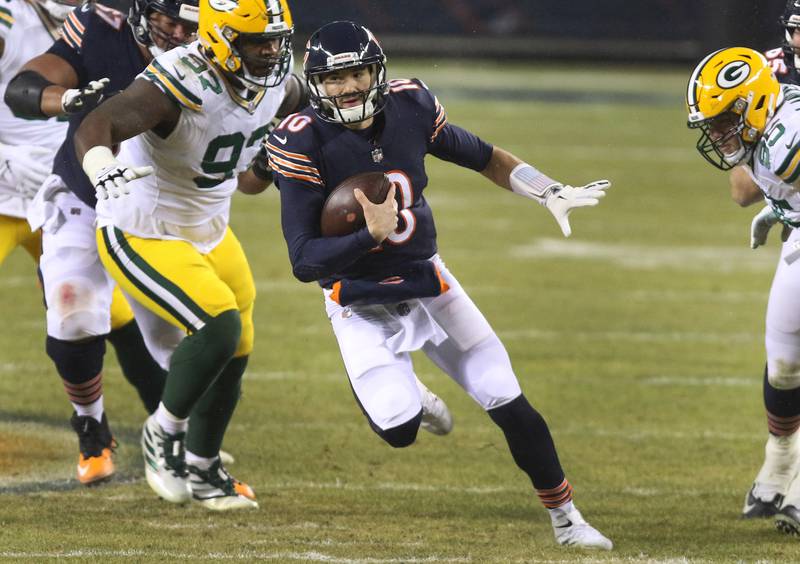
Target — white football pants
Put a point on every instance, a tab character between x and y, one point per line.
376	341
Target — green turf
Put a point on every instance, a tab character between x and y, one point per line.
639	339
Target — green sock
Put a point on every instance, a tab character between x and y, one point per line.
138	367
211	415
198	360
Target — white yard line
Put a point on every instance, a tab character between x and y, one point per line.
695	257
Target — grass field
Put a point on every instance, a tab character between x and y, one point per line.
639	339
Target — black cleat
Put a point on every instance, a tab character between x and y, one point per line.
756	508
787	520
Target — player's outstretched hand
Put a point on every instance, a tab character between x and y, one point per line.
26	165
109	176
759	228
113	179
563	199
381	218
75	100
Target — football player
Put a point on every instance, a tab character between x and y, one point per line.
387	291
27	147
195	120
746	116
98	52
782	458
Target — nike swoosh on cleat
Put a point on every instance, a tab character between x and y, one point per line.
564	526
82	471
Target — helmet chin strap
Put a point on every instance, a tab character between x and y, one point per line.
737	156
357	113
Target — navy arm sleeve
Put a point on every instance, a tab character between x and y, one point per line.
461	147
314	257
69	45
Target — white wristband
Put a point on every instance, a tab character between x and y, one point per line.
96	159
529	182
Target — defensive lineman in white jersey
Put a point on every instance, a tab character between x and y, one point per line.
195	120
198	164
747	118
27	147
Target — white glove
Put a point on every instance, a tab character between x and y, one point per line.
759	228
565	198
109	176
75	100
24	163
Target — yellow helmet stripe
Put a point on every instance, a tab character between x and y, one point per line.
691	94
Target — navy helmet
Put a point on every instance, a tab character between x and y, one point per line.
187	11
790	20
338	46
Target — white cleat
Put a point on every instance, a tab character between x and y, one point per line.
787	519
436	416
165	462
571	529
217	490
773	480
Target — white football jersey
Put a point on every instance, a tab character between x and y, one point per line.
776	160
196	166
27	31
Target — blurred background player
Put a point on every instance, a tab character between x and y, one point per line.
197	116
27	147
745	116
782	457
98	52
359	122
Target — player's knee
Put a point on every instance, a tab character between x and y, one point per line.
784	375
77	362
402	435
394	404
225	331
73	312
489	376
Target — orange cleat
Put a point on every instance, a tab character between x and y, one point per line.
96	446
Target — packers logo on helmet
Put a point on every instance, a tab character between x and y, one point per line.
250	39
731	96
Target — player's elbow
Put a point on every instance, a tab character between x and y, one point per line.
304	273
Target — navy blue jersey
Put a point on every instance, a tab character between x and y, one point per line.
311	157
781	60
97	43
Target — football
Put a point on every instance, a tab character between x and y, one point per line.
342	214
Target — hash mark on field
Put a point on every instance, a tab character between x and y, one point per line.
705	258
635	336
138	554
712	382
393	486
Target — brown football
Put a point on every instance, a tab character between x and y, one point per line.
342	214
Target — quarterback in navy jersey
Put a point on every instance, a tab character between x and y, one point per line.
99	52
387	291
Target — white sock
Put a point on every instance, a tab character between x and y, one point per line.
171	424
94	409
200	461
